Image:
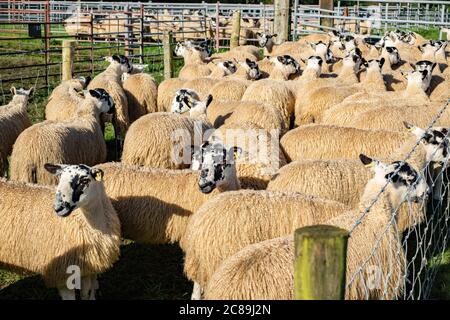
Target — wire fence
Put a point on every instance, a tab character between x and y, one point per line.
409	242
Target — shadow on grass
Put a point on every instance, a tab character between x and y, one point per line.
143	272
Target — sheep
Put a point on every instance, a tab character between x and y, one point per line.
64	100
77	140
155	205
110	80
260	157
229	89
247	70
347	76
322	99
142	92
194	62
274	93
392	118
284	67
41	242
13	120
152	139
337	142
166	92
311	72
259	270
256	215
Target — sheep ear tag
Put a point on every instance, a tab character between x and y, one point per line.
97	174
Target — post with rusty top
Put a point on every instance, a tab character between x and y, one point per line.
68	52
282	20
326	5
168	56
236	30
320	263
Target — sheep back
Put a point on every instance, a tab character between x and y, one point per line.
142	92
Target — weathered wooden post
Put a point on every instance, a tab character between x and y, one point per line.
68	52
320	263
236	29
282	20
168	55
326	5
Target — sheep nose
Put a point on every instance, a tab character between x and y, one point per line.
206	187
63	209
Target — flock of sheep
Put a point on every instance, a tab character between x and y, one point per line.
228	160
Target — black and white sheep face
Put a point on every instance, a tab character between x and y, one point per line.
265	39
227	66
124	62
435	141
349	43
393	54
418	78
315	63
353	59
251	68
336	40
105	101
375	64
77	186
428	49
216	164
286	63
407	183
408	37
184	100
323	50
180	49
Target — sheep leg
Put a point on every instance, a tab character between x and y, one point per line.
66	294
196	292
87	286
438	183
94	287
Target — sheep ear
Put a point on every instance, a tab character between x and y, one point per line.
187	102
258	34
381	63
54	169
420	48
116	58
31	91
97	174
94	94
209	100
368	162
404	74
433	66
13	90
408	126
274	35
248	61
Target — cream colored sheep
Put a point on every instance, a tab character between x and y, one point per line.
320	100
77	140
13	120
347	76
248	217
110	80
274	93
153	139
166	92
194	63
261	156
155	205
250	274
142	92
322	142
229	89
35	238
65	98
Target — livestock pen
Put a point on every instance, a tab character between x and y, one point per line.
32	34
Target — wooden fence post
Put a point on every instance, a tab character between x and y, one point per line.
327	5
168	56
68	51
282	20
236	30
320	263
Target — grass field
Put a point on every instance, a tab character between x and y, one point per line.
143	272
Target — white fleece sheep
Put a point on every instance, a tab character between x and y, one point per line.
88	237
153	139
13	120
155	205
77	140
265	270
65	98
